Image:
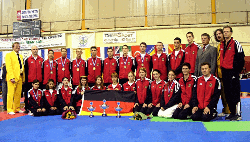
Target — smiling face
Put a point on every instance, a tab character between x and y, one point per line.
185	70
65	82
98	81
156	75
171	76
35	85
51	85
83	81
16	47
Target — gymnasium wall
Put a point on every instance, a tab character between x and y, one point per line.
63	15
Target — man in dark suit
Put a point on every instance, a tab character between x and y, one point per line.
4	88
206	54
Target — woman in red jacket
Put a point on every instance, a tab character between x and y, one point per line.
143	96
51	102
157	87
98	84
130	85
170	96
79	92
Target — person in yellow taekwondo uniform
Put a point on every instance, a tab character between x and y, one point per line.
15	78
218	35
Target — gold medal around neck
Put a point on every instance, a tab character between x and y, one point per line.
94	68
125	67
51	72
63	69
142	64
77	69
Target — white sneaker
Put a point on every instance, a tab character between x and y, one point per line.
31	114
11	113
20	111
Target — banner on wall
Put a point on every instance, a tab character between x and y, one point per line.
83	40
40	42
119	37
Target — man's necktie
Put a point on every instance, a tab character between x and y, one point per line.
20	63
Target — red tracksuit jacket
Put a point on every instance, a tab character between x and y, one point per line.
63	68
190	55
78	96
232	56
96	88
187	89
47	73
36	99
156	91
170	94
110	66
161	64
127	87
146	63
206	94
143	92
78	67
65	97
118	86
175	62
33	69
50	99
94	68
130	66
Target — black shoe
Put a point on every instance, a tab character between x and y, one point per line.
236	118
229	116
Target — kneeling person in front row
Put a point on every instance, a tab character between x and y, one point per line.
206	95
51	102
36	100
115	85
65	96
143	94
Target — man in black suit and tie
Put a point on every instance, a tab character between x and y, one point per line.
206	54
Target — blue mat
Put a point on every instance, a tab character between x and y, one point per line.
53	128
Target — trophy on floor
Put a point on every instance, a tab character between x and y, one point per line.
91	109
104	106
118	109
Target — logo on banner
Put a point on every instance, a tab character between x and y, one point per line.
83	41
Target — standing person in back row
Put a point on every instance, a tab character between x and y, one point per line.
143	60
206	54
33	70
15	78
110	66
94	66
64	66
231	62
160	61
191	51
126	64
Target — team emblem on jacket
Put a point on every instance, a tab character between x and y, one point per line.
146	59
146	86
67	63
229	48
168	95
134	88
82	65
189	85
39	62
159	86
55	94
69	92
97	64
179	56
162	59
39	95
193	52
54	66
171	90
210	85
113	64
128	63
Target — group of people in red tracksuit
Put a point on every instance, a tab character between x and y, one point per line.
174	92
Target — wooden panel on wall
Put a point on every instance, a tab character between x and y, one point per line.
187	6
122	9
238	17
106	10
170	7
1	16
75	13
91	13
222	17
203	7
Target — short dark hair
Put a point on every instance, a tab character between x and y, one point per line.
172	71
206	34
93	47
177	38
64	48
110	48
231	30
206	63
124	45
51	51
186	64
157	71
190	33
144	43
160	42
35	81
216	32
64	78
14	44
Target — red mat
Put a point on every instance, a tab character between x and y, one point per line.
22	100
5	116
